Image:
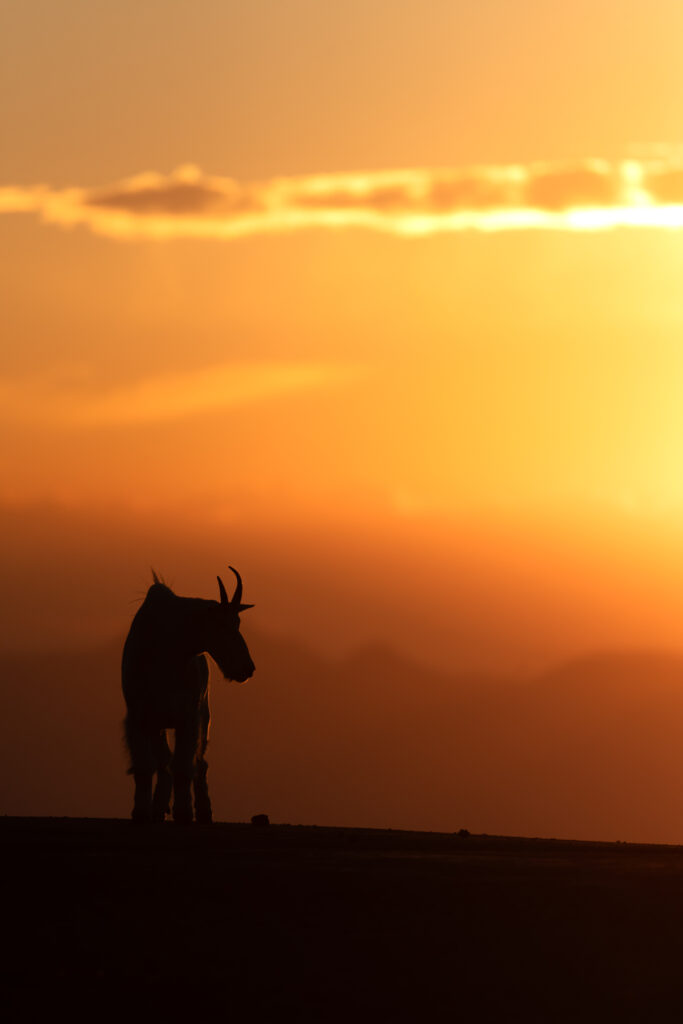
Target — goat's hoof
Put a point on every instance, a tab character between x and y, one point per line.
141	817
181	818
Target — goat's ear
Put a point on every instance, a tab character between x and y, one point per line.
244	607
224	596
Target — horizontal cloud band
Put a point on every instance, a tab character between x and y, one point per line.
585	195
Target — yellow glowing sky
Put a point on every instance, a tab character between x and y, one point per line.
338	266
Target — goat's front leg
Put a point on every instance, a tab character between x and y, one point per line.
202	802
186	739
161	800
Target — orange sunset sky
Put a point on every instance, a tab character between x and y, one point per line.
379	302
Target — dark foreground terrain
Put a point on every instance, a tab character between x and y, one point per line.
276	923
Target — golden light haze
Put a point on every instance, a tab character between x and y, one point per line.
257	90
247	320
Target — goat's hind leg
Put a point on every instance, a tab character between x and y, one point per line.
161	801
142	768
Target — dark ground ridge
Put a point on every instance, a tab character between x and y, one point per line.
324	923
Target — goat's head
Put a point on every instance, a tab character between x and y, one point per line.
225	643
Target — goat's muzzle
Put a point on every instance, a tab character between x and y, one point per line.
242	676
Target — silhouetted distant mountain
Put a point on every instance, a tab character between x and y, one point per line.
591	749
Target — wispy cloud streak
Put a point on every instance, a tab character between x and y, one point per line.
583	195
166	397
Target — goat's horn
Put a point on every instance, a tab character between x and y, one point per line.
155	577
237	596
224	596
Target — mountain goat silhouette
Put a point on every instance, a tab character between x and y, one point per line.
165	680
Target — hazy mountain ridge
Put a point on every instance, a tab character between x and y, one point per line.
590	749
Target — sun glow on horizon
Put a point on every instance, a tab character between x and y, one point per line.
400	337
